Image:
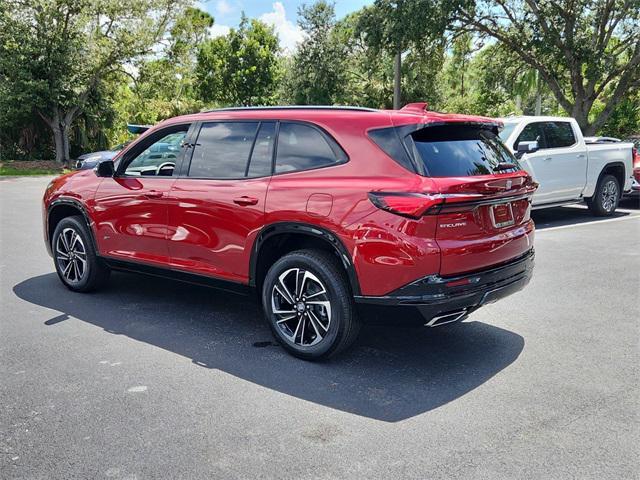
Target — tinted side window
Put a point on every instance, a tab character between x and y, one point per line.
301	147
389	141
159	158
559	134
531	132
222	149
262	155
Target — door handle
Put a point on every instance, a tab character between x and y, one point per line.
581	155
153	194
244	200
548	159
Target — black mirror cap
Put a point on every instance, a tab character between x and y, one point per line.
105	169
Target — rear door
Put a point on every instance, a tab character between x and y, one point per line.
220	198
484	219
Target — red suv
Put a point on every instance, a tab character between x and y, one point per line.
327	211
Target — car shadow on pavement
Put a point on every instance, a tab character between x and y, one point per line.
390	374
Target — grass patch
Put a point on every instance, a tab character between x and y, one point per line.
22	168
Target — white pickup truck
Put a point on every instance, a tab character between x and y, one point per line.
554	152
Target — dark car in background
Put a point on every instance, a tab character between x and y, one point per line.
88	161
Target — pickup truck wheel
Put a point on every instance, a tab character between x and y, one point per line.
606	197
309	306
74	257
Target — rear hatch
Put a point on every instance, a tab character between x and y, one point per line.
477	190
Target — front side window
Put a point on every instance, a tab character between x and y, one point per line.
459	151
222	150
559	134
159	158
301	147
530	133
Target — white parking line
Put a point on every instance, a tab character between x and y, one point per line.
594	222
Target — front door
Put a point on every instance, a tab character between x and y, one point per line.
219	202
131	209
559	166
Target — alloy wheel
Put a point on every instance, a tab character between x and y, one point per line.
609	195
71	256
301	304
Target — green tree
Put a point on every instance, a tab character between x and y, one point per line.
240	68
54	54
317	72
584	50
395	26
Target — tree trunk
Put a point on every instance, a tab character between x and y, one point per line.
60	128
397	65
538	110
59	142
65	143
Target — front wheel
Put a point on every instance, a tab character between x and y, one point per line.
606	197
75	259
309	306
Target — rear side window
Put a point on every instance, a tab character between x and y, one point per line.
530	133
459	151
302	147
389	141
262	154
559	134
222	149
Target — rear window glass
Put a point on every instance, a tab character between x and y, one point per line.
459	151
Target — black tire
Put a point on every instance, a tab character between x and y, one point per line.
90	275
606	197
339	321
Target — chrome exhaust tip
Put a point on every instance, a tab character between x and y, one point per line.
448	317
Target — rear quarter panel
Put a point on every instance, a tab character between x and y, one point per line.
387	251
601	155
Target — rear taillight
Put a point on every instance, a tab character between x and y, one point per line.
416	205
412	205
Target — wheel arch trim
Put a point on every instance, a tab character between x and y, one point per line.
70	202
301	228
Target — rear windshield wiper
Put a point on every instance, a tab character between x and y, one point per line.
504	166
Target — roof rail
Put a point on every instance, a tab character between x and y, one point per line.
293	107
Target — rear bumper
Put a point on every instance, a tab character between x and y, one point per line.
635	189
436	296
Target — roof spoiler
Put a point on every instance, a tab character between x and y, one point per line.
137	129
417	107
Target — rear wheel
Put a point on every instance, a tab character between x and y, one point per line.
74	257
606	197
309	305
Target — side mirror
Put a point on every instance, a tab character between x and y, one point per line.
105	169
526	147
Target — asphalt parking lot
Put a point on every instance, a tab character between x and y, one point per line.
155	379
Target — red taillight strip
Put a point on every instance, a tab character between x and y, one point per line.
415	205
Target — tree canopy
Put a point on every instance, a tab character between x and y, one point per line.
73	73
